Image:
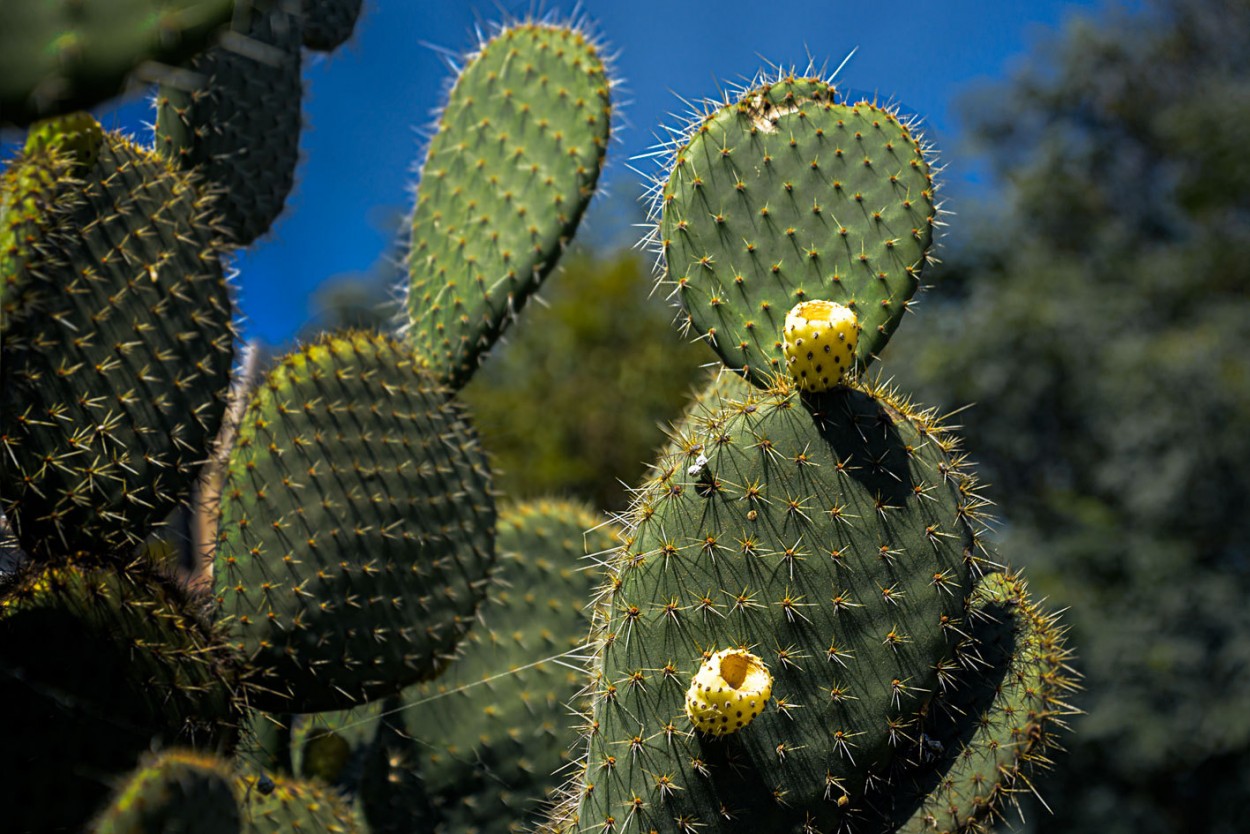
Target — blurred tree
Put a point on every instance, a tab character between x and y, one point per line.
575	400
1101	323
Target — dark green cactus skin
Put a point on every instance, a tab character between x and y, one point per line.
509	173
294	805
356	527
1013	686
328	24
118	341
832	536
238	129
57	57
100	666
789	195
175	792
493	732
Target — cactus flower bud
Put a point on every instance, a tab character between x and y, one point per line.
820	340
729	690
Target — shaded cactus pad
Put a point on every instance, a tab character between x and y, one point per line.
57	57
176	791
509	173
117	345
234	118
283	805
787	195
100	666
356	526
834	537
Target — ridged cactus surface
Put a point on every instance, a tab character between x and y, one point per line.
234	118
329	23
832	537
97	667
56	57
507	177
791	194
175	792
285	805
117	346
357	526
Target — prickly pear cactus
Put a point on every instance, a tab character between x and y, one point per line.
810	544
177	790
791	194
507	178
357	527
118	339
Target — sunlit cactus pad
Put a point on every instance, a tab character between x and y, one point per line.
509	173
117	347
100	666
792	194
357	527
61	56
835	538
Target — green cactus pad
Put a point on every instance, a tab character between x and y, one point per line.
280	805
508	175
833	536
175	792
56	57
100	667
790	195
356	527
234	118
329	23
1015	690
494	730
117	348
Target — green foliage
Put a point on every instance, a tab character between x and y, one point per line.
572	404
507	177
59	57
1104	331
791	195
357	527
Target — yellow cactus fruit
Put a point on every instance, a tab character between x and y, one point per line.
729	690
820	340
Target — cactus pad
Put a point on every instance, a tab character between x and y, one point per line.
117	348
238	127
280	805
176	791
329	23
790	195
508	175
832	536
356	527
56	57
100	666
493	731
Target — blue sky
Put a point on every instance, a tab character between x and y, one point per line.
367	106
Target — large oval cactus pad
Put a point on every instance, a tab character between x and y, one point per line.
829	536
118	342
509	173
357	527
791	195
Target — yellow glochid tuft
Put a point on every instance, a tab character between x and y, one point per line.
820	340
729	690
